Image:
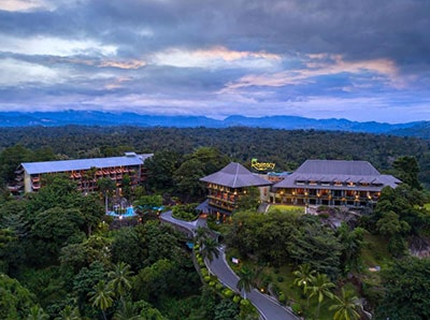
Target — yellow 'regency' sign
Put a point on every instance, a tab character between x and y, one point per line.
262	166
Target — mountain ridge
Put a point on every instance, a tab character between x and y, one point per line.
101	118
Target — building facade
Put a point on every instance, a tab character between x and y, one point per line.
85	172
226	186
332	182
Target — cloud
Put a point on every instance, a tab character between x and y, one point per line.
15	72
320	65
219	57
216	57
42	45
23	5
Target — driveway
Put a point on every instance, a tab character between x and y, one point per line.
268	307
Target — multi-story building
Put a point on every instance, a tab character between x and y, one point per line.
85	172
226	186
332	182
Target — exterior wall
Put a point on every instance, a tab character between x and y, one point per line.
325	196
223	197
27	182
87	179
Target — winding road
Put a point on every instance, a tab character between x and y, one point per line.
268	307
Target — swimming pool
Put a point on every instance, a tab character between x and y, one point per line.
128	213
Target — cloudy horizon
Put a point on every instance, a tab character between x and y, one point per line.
359	60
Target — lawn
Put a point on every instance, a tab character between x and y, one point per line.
375	251
283	207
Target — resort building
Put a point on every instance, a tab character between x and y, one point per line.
85	172
332	182
226	186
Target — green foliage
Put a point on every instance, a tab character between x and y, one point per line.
52	230
161	167
120	281
351	242
102	296
320	288
226	310
128	246
250	200
407	296
10	159
185	212
407	169
246	281
15	300
347	306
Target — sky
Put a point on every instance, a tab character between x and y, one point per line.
361	60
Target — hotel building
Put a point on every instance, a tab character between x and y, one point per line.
332	182
85	172
226	186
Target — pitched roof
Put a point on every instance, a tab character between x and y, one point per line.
234	175
337	167
327	171
84	164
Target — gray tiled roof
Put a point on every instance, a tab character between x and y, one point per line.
84	164
234	175
341	171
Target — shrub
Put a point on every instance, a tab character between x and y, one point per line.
219	286
282	297
297	309
185	212
280	279
207	278
204	272
227	293
245	302
212	283
237	299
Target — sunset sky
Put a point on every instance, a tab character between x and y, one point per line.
360	60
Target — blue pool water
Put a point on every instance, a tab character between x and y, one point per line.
129	213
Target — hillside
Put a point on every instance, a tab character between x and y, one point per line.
91	118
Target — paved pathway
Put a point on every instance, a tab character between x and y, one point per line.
268	307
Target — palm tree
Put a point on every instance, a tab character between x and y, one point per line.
106	186
120	279
321	287
209	249
127	312
37	313
101	297
69	313
201	234
246	280
346	306
304	276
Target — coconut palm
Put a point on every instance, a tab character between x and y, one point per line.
209	249
304	276
246	281
201	235
37	313
320	287
69	313
101	297
120	279
346	306
127	312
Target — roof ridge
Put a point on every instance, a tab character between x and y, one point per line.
236	175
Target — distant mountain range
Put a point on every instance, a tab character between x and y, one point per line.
97	118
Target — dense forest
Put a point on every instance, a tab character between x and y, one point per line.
288	149
61	257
